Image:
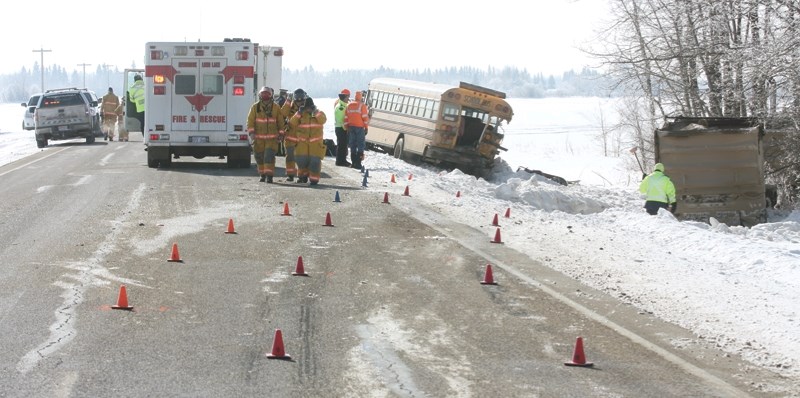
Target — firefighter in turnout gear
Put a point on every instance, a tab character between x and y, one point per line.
356	120
120	111
290	140
109	107
265	124
660	191
307	126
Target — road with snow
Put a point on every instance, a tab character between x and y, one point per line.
392	304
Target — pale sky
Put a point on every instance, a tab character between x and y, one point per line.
355	34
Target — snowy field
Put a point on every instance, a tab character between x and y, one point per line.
736	287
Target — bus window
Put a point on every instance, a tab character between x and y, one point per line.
185	84
435	110
414	106
451	112
406	104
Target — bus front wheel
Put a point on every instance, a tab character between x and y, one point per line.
398	148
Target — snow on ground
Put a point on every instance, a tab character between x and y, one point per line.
737	287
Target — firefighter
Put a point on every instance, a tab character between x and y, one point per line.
307	125
266	125
290	140
341	132
356	120
108	107
660	191
120	111
136	95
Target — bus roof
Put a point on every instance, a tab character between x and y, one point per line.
424	89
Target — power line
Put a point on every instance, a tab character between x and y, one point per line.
41	51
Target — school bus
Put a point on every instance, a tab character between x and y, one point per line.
448	125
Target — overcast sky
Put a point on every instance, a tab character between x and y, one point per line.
355	34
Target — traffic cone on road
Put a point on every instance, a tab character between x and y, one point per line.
497	237
286	209
122	300
508	212
278	351
495	223
458	194
578	357
364	181
336	197
405	193
393	179
410	176
328	222
175	256
386	197
488	278
230	227
299	269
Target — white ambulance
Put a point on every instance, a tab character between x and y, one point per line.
197	96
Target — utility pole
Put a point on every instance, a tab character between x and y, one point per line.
108	71
84	73
41	51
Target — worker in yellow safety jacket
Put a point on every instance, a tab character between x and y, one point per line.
266	125
290	139
659	191
307	125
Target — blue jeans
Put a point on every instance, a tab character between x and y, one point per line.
357	138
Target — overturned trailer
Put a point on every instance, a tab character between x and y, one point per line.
717	166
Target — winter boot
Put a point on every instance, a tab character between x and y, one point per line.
289	178
269	179
263	178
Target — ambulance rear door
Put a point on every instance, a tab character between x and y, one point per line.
200	102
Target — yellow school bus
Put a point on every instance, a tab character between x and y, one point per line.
458	126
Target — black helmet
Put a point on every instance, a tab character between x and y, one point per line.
299	95
137	77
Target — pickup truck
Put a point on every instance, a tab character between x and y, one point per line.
65	114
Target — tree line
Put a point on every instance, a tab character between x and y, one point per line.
19	86
709	58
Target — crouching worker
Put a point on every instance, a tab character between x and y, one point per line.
659	191
307	124
265	124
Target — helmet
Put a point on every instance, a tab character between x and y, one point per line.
660	167
300	95
345	92
265	94
137	77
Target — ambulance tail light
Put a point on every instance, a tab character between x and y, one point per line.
242	55
159	79
159	137
156	54
238	137
238	90
159	90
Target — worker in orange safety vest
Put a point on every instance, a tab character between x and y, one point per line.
356	121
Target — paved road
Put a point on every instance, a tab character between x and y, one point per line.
391	306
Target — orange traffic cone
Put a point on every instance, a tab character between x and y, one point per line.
386	197
497	237
458	194
278	351
175	256
393	179
299	270
495	223
328	220
508	212
286	209
230	227
578	358
405	193
488	279
410	176
122	300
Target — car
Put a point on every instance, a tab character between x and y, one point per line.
30	107
91	97
66	113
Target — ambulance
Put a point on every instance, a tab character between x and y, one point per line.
198	95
